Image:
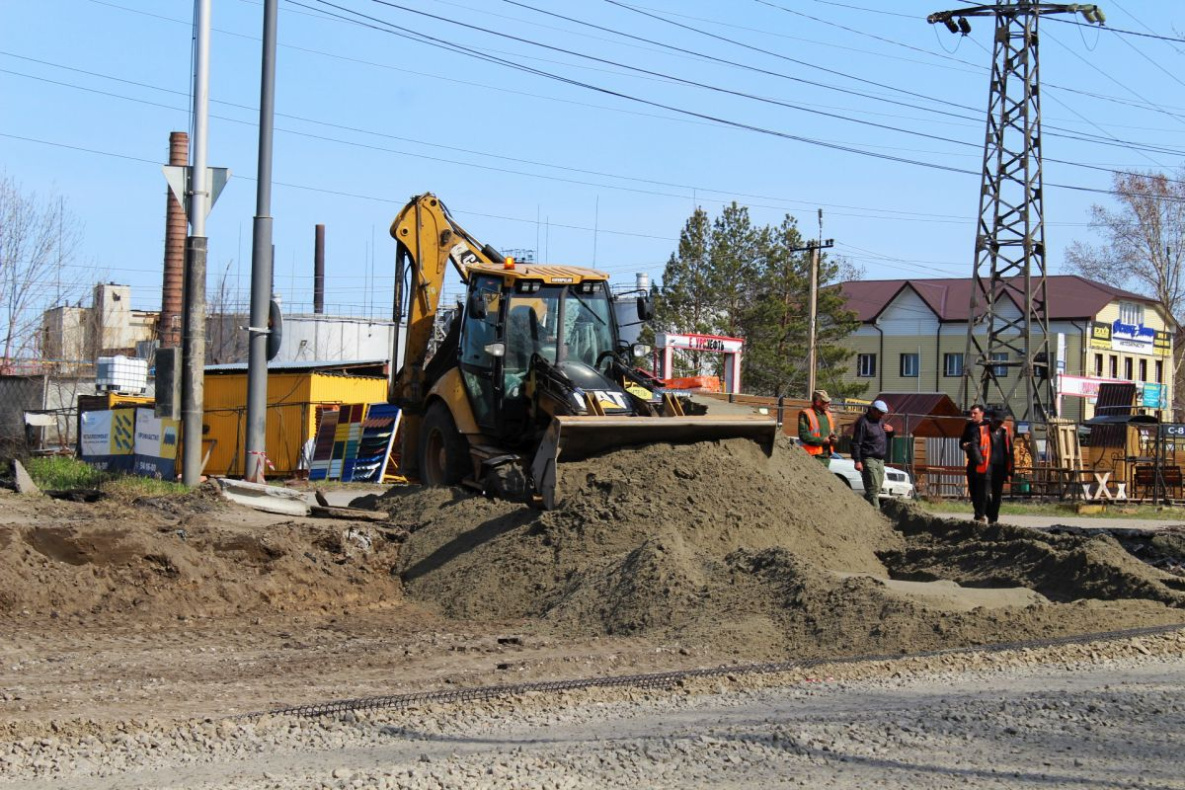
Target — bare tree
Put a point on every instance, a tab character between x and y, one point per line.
38	240
1142	241
1143	247
226	340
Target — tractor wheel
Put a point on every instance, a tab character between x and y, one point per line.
444	452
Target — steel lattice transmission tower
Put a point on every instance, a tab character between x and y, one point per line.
1010	237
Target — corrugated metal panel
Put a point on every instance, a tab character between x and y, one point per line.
292	400
945	452
1115	400
289	417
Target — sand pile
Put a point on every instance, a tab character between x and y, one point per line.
720	546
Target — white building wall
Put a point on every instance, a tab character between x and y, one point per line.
908	316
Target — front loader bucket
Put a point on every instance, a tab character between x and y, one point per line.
575	438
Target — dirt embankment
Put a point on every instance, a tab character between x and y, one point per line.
194	556
714	547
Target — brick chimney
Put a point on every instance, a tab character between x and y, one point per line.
176	228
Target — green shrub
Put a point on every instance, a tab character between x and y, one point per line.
59	472
62	473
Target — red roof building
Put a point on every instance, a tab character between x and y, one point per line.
913	338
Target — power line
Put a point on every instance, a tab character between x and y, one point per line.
319	14
1110	77
1119	31
774	54
929	62
424	38
1139	21
755	49
889	214
866	10
1144	105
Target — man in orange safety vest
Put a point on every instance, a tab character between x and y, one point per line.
816	429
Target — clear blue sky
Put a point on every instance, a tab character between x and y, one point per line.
369	116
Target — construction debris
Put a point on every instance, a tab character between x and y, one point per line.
24	483
348	513
269	499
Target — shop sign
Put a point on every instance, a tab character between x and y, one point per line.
1153	396
1083	386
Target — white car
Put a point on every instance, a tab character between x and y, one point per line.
897	485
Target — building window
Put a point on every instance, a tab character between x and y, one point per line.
1114	366
1159	372
1098	365
909	366
1131	313
1143	370
866	365
999	371
1127	368
952	365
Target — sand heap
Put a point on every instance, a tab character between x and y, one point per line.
718	545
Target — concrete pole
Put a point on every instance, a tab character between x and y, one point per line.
193	342
812	322
261	259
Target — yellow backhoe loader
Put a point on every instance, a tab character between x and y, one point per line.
532	371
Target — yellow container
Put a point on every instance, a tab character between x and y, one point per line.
293	402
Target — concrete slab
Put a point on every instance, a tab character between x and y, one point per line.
24	483
269	499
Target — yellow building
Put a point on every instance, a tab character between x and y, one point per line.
296	395
913	338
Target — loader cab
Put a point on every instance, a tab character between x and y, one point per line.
510	317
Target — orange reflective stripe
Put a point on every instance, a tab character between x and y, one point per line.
985	447
812	422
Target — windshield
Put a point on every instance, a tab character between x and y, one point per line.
533	326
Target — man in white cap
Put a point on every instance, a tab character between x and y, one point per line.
870	447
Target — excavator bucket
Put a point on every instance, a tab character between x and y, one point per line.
573	438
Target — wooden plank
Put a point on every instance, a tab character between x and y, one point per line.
349	513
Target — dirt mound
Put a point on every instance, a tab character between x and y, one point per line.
191	556
718	545
1063	567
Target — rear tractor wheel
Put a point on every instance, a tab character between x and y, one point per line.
444	452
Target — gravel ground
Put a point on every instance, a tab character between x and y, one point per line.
1104	715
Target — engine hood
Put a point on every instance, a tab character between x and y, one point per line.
585	376
588	379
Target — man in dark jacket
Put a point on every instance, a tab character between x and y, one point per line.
1000	462
975	444
870	447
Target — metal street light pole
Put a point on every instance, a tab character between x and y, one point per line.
261	260
194	337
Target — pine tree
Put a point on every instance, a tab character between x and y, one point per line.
776	324
734	250
729	277
685	304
